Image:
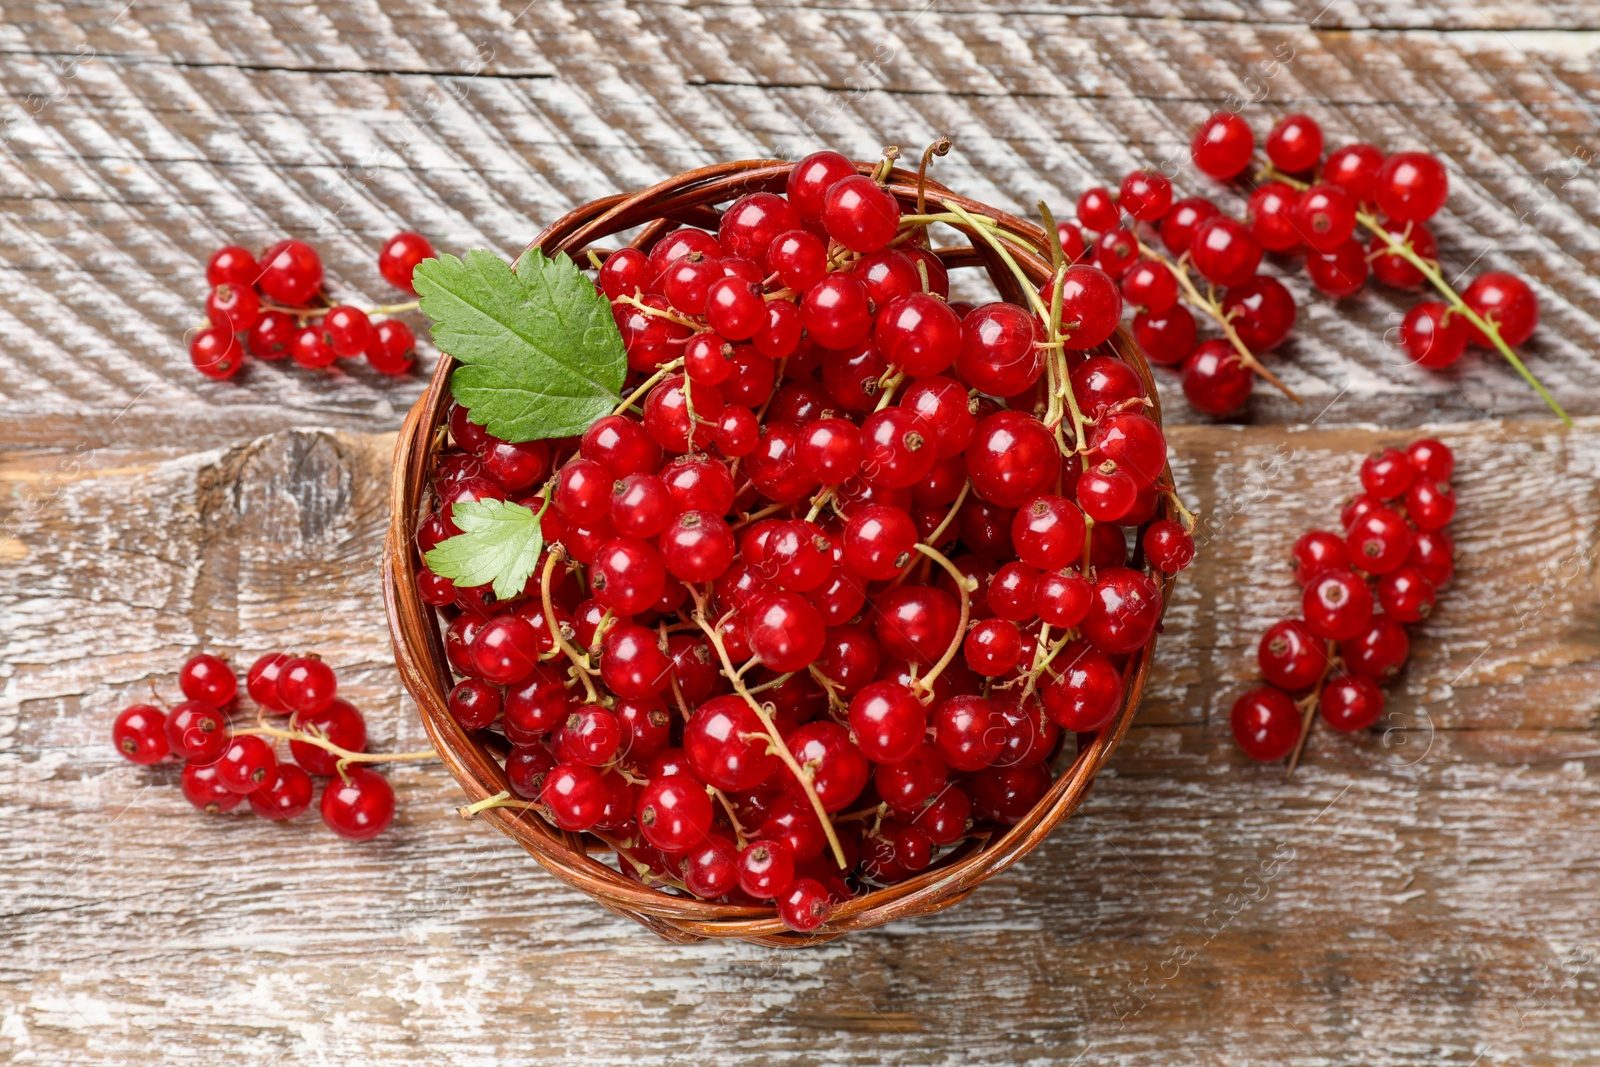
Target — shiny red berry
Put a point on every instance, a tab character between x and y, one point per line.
1266	724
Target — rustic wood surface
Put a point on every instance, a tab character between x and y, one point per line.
1421	895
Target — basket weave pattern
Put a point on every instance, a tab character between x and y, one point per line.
691	199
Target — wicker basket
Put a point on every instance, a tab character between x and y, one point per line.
691	199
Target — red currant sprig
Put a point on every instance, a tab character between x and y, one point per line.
1359	593
267	302
1305	202
224	766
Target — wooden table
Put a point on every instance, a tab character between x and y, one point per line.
1424	895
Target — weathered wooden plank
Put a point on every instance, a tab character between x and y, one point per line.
1358	912
137	164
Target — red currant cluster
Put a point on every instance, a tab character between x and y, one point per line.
774	684
1360	591
1314	205
224	766
1254	311
267	301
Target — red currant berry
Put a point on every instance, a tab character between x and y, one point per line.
288	797
339	723
888	275
1090	300
860	215
1102	384
1406	595
798	258
774	466
674	813
765	869
1351	702
997	355
1168	338
1072	244
517	466
1356	507
830	450
698	483
1150	286
1114	251
247	764
1431	460
626	272
1224	251
735	309
232	265
1271	215
398	259
233	308
915	623
897	448
1434	334
878	542
710	867
1291	656
1030	735
641	506
575	794
1012	458
1098	211
1379	541
1266	724
1316	552
1222	146
993	647
785	632
475	703
1083	689
1177	229
1168	546
726	744
1339	273
1433	553
839	770
358	806
309	348
968	732
804	905
1262	312
271	335
906	786
392	348
348	330
1049	532
307	685
1062	598
140	734
1506	301
1378	651
919	334
1295	143
752	222
1354	168
1215	379
208	678
1325	217
1336	604
505	650
202	788
849	659
1123	611
888	722
679	243
1146	195
1429	504
215	353
291	273
837	312
619	445
1386	474
1010	593
810	179
627	575
698	547
1411	186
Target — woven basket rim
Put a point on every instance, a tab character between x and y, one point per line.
419	650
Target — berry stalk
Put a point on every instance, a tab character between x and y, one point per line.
774	739
1212	308
1308	708
346	757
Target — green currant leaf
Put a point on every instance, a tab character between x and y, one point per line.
499	542
540	353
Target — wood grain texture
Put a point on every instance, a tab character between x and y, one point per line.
1411	895
1423	895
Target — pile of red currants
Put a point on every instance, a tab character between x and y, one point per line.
1360	592
821	597
268	302
224	766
